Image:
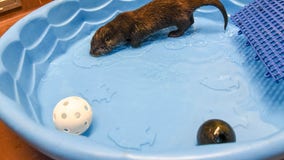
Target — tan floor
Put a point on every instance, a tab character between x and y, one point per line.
12	147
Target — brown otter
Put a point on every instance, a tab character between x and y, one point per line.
134	26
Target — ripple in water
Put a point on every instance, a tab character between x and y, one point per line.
222	83
100	94
133	139
81	57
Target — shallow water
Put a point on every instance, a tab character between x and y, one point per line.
154	98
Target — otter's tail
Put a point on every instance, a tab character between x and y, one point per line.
220	6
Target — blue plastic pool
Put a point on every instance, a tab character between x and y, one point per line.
147	102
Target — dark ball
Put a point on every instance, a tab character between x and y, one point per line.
215	131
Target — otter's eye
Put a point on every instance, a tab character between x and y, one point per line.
107	39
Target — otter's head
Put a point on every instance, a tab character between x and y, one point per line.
105	39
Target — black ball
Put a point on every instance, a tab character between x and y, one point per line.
215	131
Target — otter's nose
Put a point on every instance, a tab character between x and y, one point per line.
96	52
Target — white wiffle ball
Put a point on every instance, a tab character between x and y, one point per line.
72	115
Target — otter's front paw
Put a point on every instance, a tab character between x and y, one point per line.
176	33
135	44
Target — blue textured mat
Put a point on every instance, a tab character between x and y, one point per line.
262	22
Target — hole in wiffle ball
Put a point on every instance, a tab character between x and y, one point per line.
66	129
63	115
65	103
86	123
77	115
86	107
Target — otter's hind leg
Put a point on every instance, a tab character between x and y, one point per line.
182	26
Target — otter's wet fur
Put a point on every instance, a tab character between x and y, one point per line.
134	26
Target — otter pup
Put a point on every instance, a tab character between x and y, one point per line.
136	25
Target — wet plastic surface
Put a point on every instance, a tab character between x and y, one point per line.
147	102
262	22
